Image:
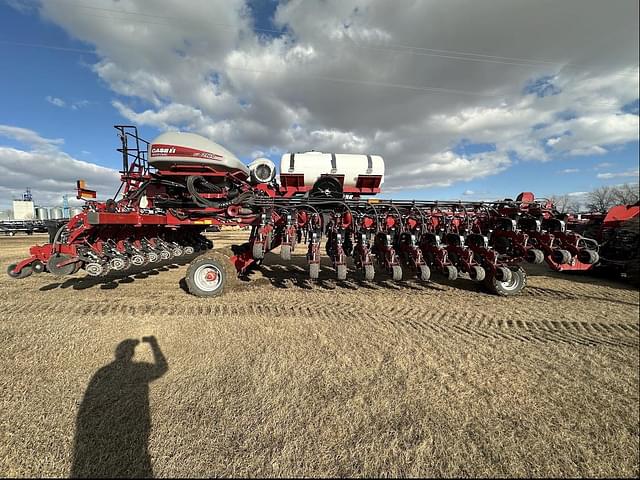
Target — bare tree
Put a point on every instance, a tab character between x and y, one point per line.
601	199
626	194
561	202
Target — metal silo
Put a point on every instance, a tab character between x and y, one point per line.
55	213
42	213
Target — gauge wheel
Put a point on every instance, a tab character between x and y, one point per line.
207	276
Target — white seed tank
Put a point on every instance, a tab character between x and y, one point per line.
182	148
314	164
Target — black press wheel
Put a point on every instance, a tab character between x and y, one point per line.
207	275
512	287
24	273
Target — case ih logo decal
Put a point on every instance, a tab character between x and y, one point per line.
158	150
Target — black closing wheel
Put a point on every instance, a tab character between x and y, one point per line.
24	273
424	273
369	272
535	256
60	271
341	271
258	251
513	287
396	273
588	256
207	275
314	271
477	273
450	272
562	256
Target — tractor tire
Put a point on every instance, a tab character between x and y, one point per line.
258	251
24	273
535	256
60	271
477	273
341	272
285	252
561	256
506	289
424	273
369	273
589	257
314	271
396	273
450	272
208	275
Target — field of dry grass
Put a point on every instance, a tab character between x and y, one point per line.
288	378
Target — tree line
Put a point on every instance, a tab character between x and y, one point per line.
600	199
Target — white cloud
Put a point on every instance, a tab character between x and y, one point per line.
22	168
58	102
365	75
570	170
628	173
577	194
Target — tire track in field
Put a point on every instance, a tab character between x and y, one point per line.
467	323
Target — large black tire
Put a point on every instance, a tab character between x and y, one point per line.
208	275
24	273
513	287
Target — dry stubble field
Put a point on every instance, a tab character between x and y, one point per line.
282	378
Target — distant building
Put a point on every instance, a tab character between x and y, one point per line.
23	210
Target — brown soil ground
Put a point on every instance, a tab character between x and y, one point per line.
281	377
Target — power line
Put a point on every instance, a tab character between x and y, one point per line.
419	88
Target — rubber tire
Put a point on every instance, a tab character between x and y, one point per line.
588	256
221	263
505	272
314	271
369	273
450	272
60	271
285	252
37	266
515	286
396	273
562	257
424	273
477	273
535	256
24	273
258	251
341	272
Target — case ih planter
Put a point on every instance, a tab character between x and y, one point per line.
180	184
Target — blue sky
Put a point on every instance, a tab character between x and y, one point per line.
67	92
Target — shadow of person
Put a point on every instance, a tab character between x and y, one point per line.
114	422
